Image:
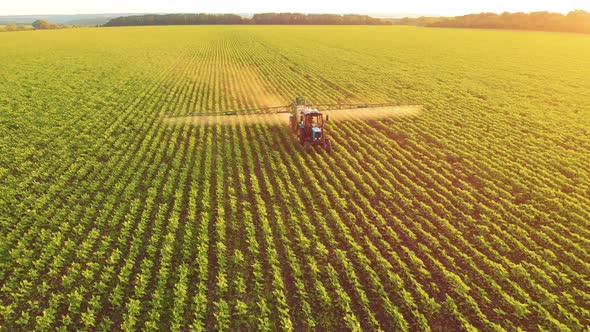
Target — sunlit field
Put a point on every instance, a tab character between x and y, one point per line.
471	211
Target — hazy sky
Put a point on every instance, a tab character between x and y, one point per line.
444	7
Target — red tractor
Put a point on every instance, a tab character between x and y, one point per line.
308	123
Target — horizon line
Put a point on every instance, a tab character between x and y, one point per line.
295	12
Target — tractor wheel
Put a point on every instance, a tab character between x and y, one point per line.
307	146
301	136
328	145
292	122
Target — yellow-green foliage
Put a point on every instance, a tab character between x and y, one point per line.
472	214
13	27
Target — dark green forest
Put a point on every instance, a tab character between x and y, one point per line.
574	21
265	18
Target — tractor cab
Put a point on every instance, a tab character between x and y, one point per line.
314	118
312	122
309	125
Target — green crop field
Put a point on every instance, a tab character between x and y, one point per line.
473	213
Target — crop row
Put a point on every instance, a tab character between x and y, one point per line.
457	218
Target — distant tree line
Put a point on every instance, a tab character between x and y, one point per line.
175	19
14	27
45	25
574	21
266	18
327	19
37	25
418	21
